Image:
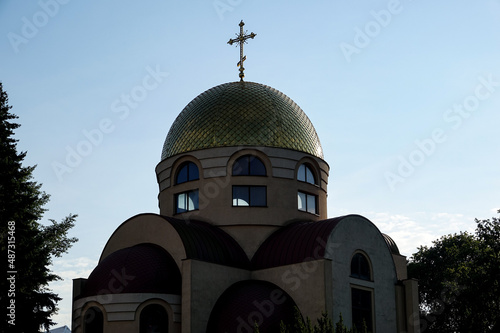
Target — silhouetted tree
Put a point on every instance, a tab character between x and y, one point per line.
27	246
459	281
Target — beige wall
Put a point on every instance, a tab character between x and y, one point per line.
202	285
146	228
308	283
353	234
215	190
122	311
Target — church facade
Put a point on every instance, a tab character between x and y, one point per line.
242	234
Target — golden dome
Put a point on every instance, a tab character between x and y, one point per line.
241	114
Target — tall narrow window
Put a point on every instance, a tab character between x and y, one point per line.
362	313
93	321
254	196
249	165
187	172
186	201
360	267
305	174
307	202
154	319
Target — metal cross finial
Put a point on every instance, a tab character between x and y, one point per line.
241	39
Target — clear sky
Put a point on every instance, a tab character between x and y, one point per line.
404	95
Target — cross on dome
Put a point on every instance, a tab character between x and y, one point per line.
241	39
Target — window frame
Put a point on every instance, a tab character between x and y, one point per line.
250	171
90	326
186	201
302	172
307	196
187	165
149	310
249	187
358	274
369	292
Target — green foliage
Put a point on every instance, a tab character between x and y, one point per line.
33	244
324	324
459	281
256	328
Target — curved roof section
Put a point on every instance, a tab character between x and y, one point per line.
143	268
393	247
241	114
235	307
205	242
297	242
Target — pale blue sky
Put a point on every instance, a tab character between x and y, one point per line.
374	77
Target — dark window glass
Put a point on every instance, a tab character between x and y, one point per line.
307	202
258	196
360	267
361	309
154	319
93	321
187	172
249	165
186	201
311	204
254	196
305	174
241	196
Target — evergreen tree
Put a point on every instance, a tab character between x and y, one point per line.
27	246
340	327
324	325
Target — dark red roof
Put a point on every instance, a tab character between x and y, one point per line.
143	268
250	301
297	242
205	242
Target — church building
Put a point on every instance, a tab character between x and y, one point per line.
242	235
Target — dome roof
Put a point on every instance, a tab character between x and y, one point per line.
281	248
143	268
391	244
242	114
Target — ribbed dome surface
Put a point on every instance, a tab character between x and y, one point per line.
391	244
242	114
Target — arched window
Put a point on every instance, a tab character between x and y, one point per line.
93	320
305	174
249	165
360	267
154	319
187	172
